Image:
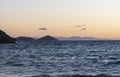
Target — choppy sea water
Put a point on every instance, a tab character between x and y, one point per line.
66	59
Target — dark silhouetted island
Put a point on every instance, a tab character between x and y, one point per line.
48	40
4	38
24	39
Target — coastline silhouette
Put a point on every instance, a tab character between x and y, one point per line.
5	38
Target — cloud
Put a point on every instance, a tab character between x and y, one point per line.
79	26
84	29
42	29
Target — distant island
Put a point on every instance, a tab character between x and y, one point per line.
48	38
24	39
78	38
44	38
53	38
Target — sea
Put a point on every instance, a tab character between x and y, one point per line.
87	58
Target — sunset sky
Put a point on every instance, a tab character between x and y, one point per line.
85	18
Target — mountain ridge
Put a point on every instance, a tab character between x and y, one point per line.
72	38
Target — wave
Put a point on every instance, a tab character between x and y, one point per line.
112	62
101	75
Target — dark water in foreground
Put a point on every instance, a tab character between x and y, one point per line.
67	59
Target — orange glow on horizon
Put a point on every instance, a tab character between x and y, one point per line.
60	18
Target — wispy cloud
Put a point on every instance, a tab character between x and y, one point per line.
84	29
42	29
79	26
